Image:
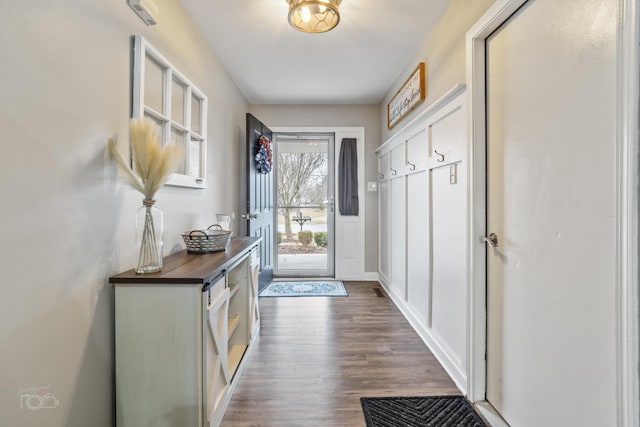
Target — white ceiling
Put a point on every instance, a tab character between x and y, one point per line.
355	63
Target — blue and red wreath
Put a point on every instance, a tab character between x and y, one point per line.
264	155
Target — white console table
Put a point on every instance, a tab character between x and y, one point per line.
181	335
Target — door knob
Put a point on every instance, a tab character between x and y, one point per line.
492	240
250	216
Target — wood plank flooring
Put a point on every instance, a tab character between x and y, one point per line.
316	357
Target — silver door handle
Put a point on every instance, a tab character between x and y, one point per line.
492	240
250	216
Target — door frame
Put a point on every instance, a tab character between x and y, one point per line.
626	209
348	265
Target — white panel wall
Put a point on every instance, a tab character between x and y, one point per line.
419	246
398	236
426	218
448	218
384	245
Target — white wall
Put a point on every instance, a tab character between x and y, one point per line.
444	53
338	116
67	219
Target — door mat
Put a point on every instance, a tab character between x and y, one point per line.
434	411
327	288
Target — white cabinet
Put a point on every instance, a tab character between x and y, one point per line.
181	335
217	375
423	228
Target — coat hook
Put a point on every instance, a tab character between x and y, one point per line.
441	159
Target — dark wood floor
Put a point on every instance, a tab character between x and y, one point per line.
316	357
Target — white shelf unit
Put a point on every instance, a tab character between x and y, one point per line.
181	339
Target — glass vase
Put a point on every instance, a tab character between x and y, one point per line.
149	229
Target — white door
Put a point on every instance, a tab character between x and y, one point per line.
550	180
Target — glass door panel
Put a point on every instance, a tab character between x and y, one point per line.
305	208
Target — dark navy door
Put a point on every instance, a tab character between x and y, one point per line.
259	206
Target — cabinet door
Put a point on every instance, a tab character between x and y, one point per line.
254	311
217	378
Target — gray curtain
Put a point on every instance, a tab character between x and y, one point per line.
348	177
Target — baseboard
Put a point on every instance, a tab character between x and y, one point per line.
490	415
438	349
371	276
365	276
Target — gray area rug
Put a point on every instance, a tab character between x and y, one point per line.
325	288
433	411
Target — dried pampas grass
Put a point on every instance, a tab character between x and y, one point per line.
152	164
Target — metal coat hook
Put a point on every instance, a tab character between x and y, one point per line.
411	166
441	159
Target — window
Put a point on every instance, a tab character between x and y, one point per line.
179	109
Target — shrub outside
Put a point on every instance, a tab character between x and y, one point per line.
320	237
305	237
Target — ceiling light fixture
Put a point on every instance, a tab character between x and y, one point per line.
314	16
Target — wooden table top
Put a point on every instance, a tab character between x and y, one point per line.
186	268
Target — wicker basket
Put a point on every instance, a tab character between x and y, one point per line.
206	241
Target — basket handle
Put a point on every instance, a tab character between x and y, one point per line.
198	231
215	225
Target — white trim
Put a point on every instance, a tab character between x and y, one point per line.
343	132
371	276
476	286
626	239
435	345
626	218
489	413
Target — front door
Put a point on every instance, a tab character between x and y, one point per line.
259	206
551	132
304	205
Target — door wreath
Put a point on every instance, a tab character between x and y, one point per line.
264	156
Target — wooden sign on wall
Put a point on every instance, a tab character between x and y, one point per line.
412	93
